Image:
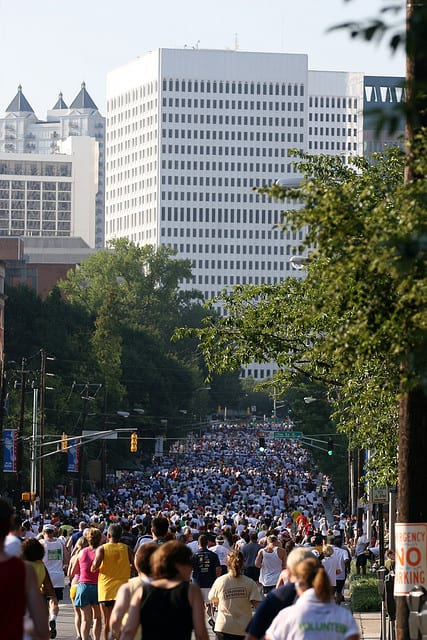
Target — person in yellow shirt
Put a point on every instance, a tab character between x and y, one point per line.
114	560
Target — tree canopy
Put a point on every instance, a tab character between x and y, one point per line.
350	322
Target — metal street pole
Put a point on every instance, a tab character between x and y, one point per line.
20	433
33	454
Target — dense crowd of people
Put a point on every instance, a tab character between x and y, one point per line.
210	533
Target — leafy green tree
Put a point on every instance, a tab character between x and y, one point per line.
339	326
131	293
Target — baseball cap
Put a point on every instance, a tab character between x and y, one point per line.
48	527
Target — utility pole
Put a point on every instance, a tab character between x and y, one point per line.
20	433
42	421
85	398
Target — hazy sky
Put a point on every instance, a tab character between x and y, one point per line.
52	45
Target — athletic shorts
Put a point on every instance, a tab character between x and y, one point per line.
361	560
86	594
59	592
73	591
107	603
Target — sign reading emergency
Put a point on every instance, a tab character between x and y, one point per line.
411	556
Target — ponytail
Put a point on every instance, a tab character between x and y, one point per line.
311	574
322	585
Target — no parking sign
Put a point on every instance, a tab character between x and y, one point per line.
411	557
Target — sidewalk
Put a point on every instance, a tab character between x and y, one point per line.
370	625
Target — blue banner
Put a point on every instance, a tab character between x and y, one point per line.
9	450
73	455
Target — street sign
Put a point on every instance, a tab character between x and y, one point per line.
100	435
411	557
379	495
287	435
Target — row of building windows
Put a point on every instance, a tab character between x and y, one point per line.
28	168
136	94
236	87
189	103
244	234
332	146
249	265
208	165
31	185
251	136
338	131
332	117
13	214
332	102
277	152
182	118
226	216
13	194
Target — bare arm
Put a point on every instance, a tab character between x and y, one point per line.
121	606
198	609
99	557
73	567
132	622
35	603
258	560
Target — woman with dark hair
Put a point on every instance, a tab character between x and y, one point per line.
314	615
169	606
234	594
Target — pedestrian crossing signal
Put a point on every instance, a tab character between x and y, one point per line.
134	442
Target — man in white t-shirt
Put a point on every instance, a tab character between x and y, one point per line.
221	552
55	562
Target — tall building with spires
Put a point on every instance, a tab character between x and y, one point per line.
22	133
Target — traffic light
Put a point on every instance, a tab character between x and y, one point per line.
330	446
134	442
261	443
64	442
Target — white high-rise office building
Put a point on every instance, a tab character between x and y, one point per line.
23	134
191	132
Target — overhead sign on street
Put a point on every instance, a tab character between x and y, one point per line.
100	435
285	435
411	557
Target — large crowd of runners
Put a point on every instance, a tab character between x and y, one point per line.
219	494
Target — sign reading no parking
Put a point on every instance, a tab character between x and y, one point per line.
411	557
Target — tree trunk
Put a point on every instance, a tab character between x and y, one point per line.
412	461
412	453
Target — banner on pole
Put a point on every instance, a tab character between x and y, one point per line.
73	455
9	450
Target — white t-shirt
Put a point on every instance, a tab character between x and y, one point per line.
54	561
311	619
234	607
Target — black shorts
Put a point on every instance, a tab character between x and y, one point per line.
361	560
59	593
107	603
